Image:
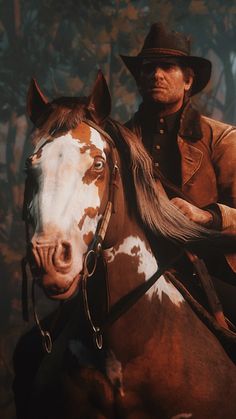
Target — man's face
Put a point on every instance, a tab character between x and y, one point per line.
163	82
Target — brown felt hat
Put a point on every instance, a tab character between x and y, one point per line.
160	44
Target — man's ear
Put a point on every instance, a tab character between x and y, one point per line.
100	99
36	102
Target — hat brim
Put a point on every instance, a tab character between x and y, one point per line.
201	67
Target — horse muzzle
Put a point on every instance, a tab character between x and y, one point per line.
54	267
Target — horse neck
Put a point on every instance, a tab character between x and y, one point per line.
130	261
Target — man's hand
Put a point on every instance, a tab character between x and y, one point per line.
193	213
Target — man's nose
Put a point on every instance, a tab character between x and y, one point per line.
158	73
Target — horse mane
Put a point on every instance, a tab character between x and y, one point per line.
154	207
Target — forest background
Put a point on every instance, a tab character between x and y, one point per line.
63	44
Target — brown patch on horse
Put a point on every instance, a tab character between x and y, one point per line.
88	212
135	250
87	178
82	132
124	259
88	238
84	149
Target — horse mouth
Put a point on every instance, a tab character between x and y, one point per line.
55	293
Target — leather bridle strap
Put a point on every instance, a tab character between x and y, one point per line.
90	259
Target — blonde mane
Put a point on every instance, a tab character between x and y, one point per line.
155	209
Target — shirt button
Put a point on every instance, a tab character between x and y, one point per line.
161	131
156	164
158	147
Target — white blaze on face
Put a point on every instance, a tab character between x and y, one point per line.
63	194
134	246
97	140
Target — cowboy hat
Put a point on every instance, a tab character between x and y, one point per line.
160	44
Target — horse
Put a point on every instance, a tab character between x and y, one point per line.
137	350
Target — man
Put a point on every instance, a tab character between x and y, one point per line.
195	153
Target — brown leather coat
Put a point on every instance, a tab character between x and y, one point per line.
208	164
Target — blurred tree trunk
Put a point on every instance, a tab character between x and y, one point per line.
230	84
17	17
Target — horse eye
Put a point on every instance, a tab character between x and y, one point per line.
98	164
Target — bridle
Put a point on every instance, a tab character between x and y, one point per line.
90	260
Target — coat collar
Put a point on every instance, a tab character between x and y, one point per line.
190	126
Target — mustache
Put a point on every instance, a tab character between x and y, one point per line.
156	85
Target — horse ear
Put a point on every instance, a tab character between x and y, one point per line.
36	101
100	99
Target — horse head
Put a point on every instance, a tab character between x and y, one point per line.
70	181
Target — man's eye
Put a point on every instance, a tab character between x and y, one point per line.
167	66
148	68
152	67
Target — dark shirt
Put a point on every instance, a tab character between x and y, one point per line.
160	139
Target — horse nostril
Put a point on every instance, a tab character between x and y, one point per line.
65	251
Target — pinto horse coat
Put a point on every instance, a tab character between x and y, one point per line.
158	359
